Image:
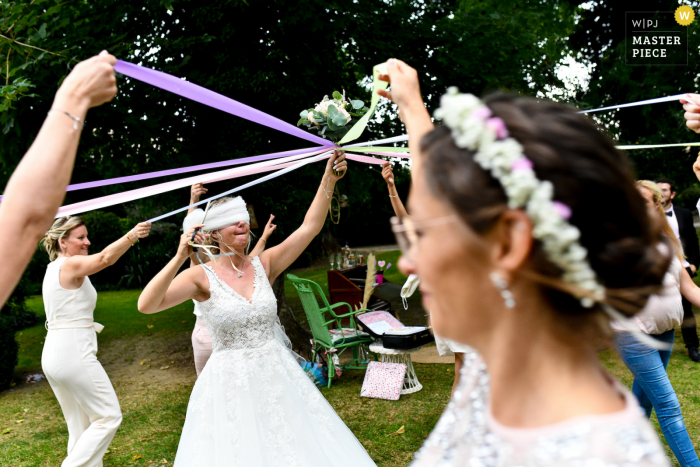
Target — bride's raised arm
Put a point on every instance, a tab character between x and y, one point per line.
165	290
280	257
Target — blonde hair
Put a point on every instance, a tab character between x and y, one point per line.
210	240
59	229
657	196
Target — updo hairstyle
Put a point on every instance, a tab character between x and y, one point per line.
60	228
589	175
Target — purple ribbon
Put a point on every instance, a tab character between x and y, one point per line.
213	165
212	99
194	168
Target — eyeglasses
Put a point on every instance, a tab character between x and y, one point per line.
406	230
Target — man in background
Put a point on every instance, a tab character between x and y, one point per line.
681	221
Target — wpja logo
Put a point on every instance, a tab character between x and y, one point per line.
657	37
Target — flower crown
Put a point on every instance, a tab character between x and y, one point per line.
475	129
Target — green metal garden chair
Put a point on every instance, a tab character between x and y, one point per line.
319	319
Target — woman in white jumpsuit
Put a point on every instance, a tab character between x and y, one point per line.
81	385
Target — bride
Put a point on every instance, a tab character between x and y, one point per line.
252	405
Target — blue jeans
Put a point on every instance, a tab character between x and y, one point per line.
654	391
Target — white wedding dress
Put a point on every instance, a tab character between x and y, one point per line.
253	405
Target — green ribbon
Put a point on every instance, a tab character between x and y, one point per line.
361	124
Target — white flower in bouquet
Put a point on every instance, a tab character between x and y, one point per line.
322	108
333	122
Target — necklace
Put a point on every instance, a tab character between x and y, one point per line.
238	272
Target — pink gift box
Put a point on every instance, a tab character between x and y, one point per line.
383	380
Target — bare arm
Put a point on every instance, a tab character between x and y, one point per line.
165	290
75	268
405	93
283	255
47	166
196	192
688	288
388	175
262	243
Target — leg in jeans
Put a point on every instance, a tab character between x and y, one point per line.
649	369
637	390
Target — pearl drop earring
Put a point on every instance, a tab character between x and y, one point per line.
502	285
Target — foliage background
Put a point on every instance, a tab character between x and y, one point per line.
285	55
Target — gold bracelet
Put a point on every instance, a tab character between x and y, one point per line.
132	242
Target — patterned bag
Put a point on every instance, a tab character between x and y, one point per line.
317	372
383	380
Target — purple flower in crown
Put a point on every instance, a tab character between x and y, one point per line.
563	210
522	164
497	125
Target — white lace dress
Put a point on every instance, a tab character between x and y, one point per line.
253	405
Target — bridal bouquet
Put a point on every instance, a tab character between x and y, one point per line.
332	118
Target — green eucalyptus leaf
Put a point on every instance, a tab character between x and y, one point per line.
332	111
304	113
340	120
342	131
332	125
357	104
337	95
323	130
303	121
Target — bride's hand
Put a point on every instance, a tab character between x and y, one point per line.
337	164
184	250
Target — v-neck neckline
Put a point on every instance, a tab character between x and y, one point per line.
232	290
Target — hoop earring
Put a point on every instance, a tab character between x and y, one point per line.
502	285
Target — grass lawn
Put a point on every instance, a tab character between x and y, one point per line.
149	360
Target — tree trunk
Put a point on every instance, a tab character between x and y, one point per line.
296	333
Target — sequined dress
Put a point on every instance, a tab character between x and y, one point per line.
466	434
253	405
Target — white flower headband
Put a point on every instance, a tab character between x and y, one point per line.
473	128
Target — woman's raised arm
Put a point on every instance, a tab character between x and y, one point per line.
46	168
280	257
405	93
77	267
165	290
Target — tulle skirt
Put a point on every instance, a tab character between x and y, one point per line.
257	407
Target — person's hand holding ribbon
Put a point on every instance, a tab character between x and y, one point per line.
691	105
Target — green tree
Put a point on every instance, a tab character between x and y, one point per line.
274	56
599	41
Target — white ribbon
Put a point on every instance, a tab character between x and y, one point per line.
677	97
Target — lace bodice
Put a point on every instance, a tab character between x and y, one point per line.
233	321
466	434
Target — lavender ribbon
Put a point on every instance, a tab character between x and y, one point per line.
213	165
212	99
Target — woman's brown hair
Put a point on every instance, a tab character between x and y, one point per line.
589	175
